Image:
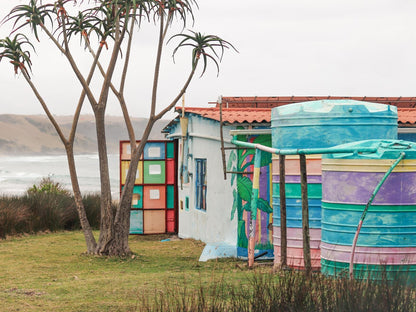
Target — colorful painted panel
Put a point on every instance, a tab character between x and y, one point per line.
124	169
136	222
154	221
242	197
154	197
170	221
170	171
137	201
154	150
154	206
170	150
154	172
170	194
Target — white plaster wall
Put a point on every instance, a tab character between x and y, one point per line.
213	225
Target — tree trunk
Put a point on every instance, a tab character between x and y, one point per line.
122	218
106	238
85	225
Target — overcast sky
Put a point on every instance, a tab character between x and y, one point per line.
291	47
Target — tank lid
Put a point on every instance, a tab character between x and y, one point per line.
333	107
386	149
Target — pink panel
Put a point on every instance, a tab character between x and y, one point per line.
313	166
170	171
295	237
295	258
154	196
295	247
370	255
125	151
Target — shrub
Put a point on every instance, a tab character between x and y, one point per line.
47	206
14	217
48	186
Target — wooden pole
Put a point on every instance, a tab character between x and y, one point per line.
305	216
254	202
224	166
283	230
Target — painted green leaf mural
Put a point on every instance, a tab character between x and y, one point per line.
244	187
264	205
247	207
242	237
265	140
231	160
235	204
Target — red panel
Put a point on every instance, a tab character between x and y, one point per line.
154	196
170	171
170	221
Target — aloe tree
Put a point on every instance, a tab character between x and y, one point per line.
109	24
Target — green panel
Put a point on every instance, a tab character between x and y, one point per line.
403	273
170	193
170	150
293	190
136	222
154	171
137	201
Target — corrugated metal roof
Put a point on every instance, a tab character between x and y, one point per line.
231	115
407	115
261	115
273	101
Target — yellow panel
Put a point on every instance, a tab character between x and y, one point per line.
367	165
125	167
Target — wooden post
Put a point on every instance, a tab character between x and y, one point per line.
305	216
283	231
224	166
253	214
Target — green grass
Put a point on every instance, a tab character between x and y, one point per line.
49	272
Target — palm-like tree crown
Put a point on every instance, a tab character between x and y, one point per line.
13	50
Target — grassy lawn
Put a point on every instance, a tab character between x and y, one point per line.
49	272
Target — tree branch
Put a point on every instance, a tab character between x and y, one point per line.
45	108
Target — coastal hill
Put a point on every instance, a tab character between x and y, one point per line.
35	135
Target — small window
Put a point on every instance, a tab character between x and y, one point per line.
201	184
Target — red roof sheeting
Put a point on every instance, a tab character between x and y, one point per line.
231	115
407	115
261	115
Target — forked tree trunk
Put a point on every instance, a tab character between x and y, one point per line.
85	225
122	218
107	215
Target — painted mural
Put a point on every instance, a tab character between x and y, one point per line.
242	162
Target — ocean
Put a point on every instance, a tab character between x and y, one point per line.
19	173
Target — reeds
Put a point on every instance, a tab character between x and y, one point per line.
284	291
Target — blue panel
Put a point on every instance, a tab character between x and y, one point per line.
380	229
136	221
154	150
294	212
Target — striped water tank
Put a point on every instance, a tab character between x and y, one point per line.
317	124
386	245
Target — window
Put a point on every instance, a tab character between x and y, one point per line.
201	184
